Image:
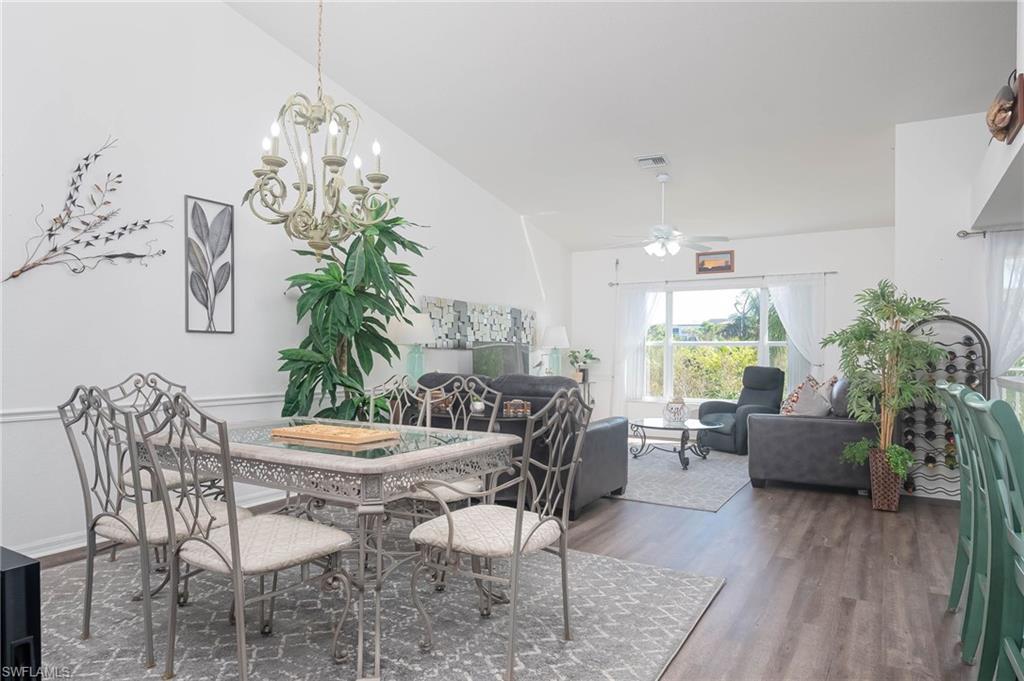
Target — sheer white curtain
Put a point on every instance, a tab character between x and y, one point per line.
1005	289
634	308
800	303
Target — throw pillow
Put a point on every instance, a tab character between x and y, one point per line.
810	398
791	400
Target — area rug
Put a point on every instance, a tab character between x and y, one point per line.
629	620
706	485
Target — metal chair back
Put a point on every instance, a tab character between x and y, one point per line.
398	402
138	391
461	400
189	441
103	442
561	426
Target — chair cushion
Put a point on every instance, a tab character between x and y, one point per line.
172	478
156	523
486	530
726	422
448	495
267	543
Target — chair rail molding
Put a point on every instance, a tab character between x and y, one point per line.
50	413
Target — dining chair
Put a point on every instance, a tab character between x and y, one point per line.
104	438
984	518
965	532
489	531
455	405
1000	432
219	539
137	392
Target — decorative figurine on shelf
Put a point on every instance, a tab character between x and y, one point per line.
580	361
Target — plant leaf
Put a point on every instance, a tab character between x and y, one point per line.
198	288
220	233
221	277
197	259
199	224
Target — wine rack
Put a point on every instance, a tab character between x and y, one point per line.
925	428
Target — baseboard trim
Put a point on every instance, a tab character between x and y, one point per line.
50	413
71	544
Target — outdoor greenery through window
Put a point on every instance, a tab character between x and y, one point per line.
699	342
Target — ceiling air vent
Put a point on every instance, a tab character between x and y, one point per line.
651	162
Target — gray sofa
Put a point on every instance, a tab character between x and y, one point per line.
603	469
807	449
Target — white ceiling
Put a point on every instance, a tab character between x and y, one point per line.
777	118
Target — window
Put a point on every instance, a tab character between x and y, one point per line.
699	342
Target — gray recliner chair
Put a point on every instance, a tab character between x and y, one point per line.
761	394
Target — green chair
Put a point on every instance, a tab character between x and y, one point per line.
973	546
1003	442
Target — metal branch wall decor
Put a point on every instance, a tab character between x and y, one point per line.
86	231
209	266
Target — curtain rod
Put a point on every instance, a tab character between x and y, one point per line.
967	234
666	282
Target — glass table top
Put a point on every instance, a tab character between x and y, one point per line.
410	439
662	424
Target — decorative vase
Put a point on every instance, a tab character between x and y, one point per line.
885	484
675	411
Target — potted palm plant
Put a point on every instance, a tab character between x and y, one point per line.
886	369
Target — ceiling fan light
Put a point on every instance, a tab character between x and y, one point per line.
672	247
652	248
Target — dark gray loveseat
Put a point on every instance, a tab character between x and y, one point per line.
603	469
807	449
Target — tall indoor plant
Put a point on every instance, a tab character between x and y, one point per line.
349	298
885	366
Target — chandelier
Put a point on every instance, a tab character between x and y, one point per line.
311	201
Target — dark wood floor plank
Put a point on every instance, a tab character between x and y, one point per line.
818	586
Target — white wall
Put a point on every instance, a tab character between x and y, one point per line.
189	89
936	162
860	257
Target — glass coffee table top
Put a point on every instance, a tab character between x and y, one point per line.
658	423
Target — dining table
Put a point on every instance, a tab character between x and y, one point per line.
366	481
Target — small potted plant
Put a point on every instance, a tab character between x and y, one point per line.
580	360
886	369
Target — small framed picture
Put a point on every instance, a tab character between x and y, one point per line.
716	262
209	266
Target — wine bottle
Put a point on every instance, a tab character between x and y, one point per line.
909	421
971	355
929	421
909	434
972	381
968	341
971	368
909	485
950	462
910	446
929	435
930	460
951	355
929	408
930	367
950	436
951	369
950	448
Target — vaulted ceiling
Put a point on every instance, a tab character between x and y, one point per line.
776	118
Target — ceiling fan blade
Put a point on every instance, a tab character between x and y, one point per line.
628	244
704	237
700	248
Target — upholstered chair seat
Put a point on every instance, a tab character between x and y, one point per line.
171	477
214	513
267	543
463	488
487	530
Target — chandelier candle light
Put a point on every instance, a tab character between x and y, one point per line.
315	209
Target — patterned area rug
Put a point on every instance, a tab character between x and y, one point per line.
657	478
628	621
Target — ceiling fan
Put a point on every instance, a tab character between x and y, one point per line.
665	239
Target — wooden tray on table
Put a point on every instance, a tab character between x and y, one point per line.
347	438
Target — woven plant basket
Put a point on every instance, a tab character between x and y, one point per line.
885	484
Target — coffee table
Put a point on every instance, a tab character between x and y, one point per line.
640	428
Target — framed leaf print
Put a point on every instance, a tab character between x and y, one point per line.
209	266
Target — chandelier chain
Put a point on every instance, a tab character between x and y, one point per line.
319	49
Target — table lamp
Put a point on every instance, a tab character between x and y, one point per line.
415	336
556	338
